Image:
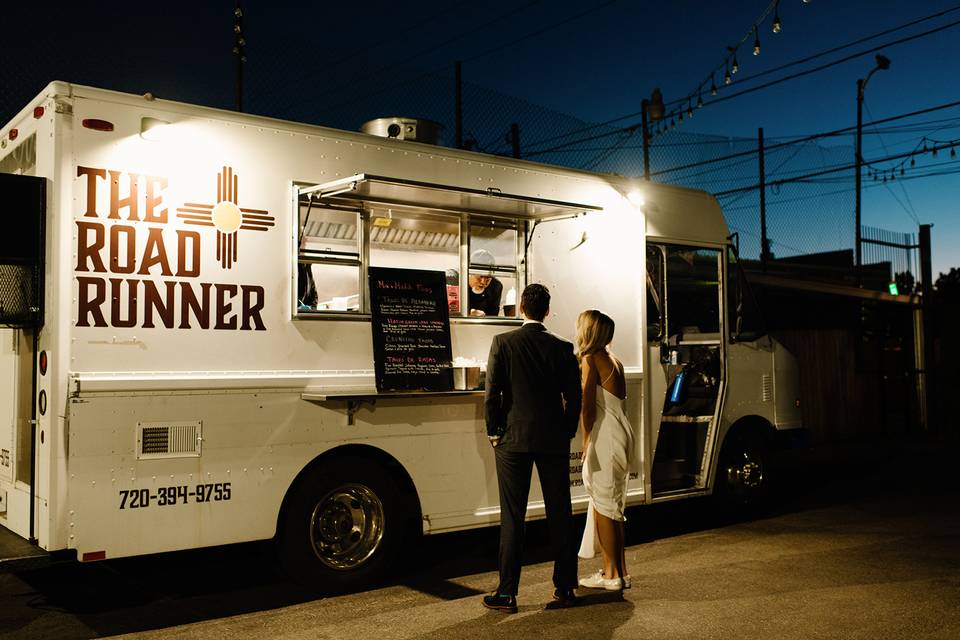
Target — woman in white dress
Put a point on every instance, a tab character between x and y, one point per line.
608	447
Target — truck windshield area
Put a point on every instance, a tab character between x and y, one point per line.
693	281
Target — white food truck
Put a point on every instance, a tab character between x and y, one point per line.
186	358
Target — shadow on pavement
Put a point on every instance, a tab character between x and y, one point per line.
153	592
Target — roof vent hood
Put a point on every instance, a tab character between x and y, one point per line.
412	129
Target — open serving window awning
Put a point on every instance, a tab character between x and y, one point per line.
367	188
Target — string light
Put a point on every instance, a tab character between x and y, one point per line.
953	152
731	64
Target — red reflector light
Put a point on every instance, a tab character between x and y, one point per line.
43	363
94	555
13	134
97	125
38	112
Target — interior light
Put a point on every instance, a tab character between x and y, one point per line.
636	198
894	291
153	128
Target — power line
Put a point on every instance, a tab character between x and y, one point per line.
815	136
512	42
772	83
422	52
911	212
826	171
835	49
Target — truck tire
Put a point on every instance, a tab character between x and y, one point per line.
743	473
345	526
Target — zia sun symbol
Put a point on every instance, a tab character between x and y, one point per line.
226	216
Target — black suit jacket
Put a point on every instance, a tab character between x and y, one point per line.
532	390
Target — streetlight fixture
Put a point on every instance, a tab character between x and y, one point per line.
883	63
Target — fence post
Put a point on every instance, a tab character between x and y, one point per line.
644	106
927	309
764	241
515	139
458	104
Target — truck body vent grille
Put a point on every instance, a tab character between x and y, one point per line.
168	439
766	387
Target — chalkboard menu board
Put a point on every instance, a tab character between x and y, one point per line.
411	329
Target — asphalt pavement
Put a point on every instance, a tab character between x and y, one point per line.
863	542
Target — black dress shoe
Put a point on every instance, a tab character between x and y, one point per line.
500	602
565	598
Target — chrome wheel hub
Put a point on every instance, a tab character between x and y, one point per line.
346	526
746	474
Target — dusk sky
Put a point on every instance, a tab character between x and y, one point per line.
594	61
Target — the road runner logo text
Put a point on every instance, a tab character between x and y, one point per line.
107	244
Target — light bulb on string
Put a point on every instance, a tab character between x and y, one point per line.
680	115
934	152
726	76
777	25
953	152
902	171
756	42
713	86
913	162
689	110
735	66
699	101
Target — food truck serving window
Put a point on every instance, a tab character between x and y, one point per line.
478	239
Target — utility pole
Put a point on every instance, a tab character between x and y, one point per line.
650	110
239	50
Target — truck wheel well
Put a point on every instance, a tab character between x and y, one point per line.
375	455
750	426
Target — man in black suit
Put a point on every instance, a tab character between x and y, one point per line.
533	410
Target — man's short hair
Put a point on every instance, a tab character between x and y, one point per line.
535	302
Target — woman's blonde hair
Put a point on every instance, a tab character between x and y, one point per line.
594	332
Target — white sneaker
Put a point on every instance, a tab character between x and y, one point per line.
597	581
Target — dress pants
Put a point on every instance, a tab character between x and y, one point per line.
514	470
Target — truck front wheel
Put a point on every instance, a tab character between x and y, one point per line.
743	474
345	526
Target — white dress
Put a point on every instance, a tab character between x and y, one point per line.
607	462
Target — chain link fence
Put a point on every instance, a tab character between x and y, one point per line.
804	216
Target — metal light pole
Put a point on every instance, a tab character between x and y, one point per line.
882	63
